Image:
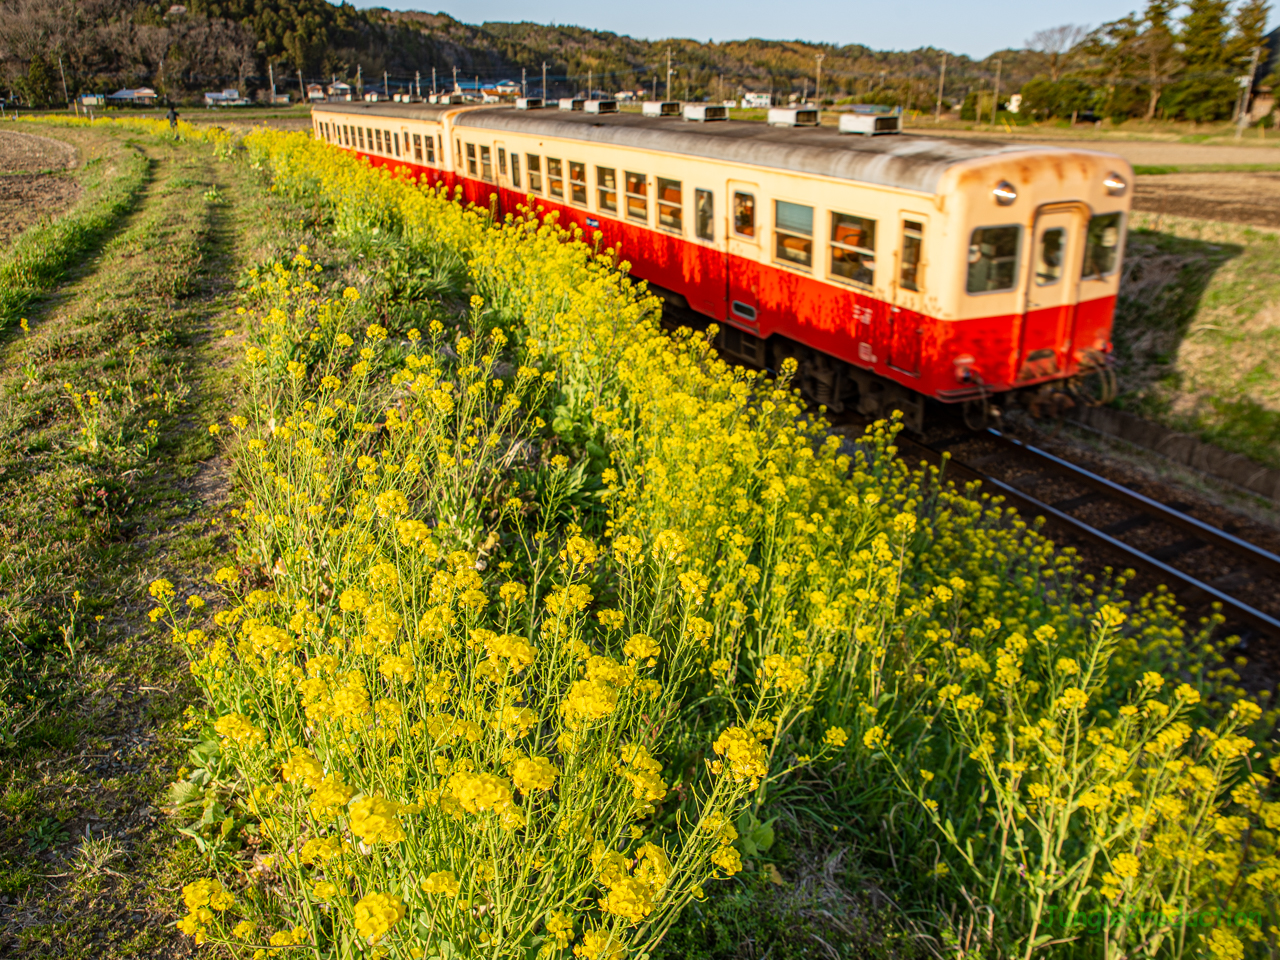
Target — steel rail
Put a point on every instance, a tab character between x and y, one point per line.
1243	611
1255	554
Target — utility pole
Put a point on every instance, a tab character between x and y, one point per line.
817	92
359	82
271	73
942	79
668	73
1246	92
417	84
655	85
524	82
386	87
456	88
591	77
302	88
67	97
433	81
995	101
544	81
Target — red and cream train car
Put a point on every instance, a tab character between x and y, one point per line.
892	268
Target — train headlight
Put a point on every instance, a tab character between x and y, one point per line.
1005	193
1115	184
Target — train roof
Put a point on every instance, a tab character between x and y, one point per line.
906	161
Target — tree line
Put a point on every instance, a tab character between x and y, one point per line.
1145	64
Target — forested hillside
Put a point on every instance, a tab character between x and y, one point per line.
1169	60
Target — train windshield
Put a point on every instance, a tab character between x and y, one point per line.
1102	245
993	259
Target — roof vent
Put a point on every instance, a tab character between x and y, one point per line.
571	103
871	120
706	111
661	108
528	103
793	116
601	106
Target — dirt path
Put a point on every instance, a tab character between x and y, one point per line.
123	492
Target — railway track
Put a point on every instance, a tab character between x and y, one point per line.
1198	561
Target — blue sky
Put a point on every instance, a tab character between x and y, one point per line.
973	29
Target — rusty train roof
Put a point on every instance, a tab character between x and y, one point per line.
906	161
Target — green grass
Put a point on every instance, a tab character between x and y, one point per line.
112	181
1198	334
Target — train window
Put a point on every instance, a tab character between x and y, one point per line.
1053	248
457	156
993	259
793	233
430	143
535	172
607	189
360	131
378	140
1102	245
704	214
417	148
853	248
578	182
912	241
670	205
637	196
471	160
555	178
515	169
502	161
744	215
397	142
486	164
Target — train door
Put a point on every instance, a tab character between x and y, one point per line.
906	321
1053	284
744	227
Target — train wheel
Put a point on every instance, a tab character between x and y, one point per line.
1095	387
977	413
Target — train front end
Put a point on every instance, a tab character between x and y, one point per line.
1041	236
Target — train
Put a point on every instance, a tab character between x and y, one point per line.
894	269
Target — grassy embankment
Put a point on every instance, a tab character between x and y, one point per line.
1198	331
107	475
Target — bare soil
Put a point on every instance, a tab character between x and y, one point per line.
26	197
27	153
28	188
1247	198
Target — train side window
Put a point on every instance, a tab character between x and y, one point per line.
555	177
1102	246
417	148
502	161
471	160
457	157
637	196
515	169
853	248
912	242
670	205
704	214
360	131
1053	248
535	172
396	140
793	233
578	183
744	215
993	259
607	189
430	143
486	164
377	139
